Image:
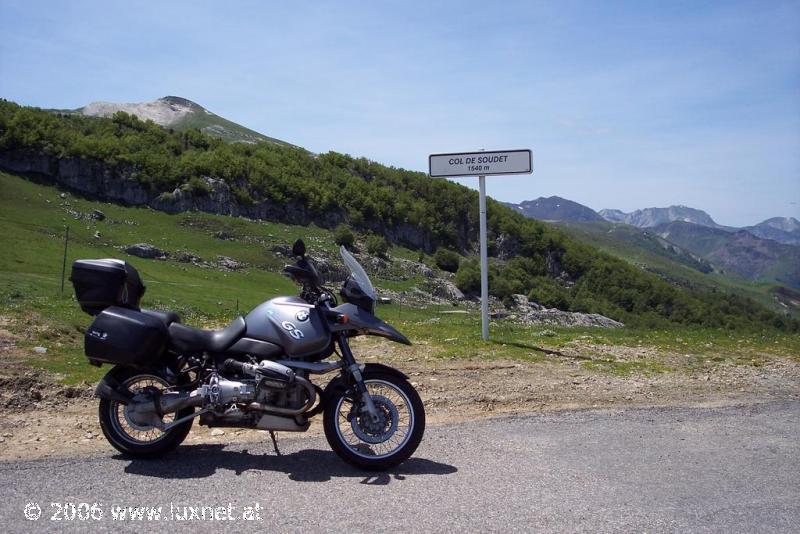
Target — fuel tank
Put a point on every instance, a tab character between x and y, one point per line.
291	323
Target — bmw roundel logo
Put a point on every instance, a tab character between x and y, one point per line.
302	316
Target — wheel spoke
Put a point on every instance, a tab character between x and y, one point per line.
398	419
126	428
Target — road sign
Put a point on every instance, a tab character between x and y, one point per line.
489	163
481	164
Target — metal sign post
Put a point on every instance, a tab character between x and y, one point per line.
484	259
481	164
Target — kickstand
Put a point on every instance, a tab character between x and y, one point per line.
274	442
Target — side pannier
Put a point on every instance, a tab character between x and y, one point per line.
124	336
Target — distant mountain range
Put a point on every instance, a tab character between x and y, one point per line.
740	252
781	229
784	230
180	114
555	209
768	251
649	217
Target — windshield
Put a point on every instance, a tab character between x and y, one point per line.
358	273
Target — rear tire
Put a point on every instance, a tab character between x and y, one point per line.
140	443
393	395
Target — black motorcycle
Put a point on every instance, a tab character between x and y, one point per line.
255	373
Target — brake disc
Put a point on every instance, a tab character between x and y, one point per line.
376	432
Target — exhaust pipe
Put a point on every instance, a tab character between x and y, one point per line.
177	401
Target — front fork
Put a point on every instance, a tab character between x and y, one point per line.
351	366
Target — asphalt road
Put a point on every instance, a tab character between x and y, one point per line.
734	469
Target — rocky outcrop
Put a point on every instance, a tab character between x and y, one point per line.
447	290
533	313
119	183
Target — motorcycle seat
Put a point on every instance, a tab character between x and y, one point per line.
166	317
187	339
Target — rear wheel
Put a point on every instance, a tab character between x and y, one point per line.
376	445
136	440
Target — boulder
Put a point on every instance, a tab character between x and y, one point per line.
146	251
187	257
519	301
229	264
447	290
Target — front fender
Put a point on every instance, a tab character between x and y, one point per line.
340	384
385	369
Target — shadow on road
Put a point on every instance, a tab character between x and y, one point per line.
310	465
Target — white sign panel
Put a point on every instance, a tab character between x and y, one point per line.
487	163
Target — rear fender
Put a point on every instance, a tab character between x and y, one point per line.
109	388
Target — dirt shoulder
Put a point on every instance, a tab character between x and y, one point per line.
41	418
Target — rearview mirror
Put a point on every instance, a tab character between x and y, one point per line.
299	248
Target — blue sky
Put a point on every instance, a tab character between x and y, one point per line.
624	104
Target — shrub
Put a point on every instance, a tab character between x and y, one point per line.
197	186
468	277
377	245
344	236
549	293
447	260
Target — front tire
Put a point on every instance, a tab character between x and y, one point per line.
376	446
130	439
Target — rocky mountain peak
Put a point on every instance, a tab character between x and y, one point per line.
555	209
650	217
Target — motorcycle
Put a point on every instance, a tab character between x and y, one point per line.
255	373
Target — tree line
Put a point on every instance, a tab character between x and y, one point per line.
404	207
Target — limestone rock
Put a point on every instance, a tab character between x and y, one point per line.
146	251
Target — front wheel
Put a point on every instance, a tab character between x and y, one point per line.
376	445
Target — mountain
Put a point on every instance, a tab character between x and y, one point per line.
739	252
640	246
180	114
555	209
781	229
615	216
126	161
785	224
646	249
649	217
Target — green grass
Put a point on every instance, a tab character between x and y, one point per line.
642	248
227	130
33	218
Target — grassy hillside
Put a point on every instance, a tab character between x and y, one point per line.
740	253
33	219
647	250
220	127
34	309
406	207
